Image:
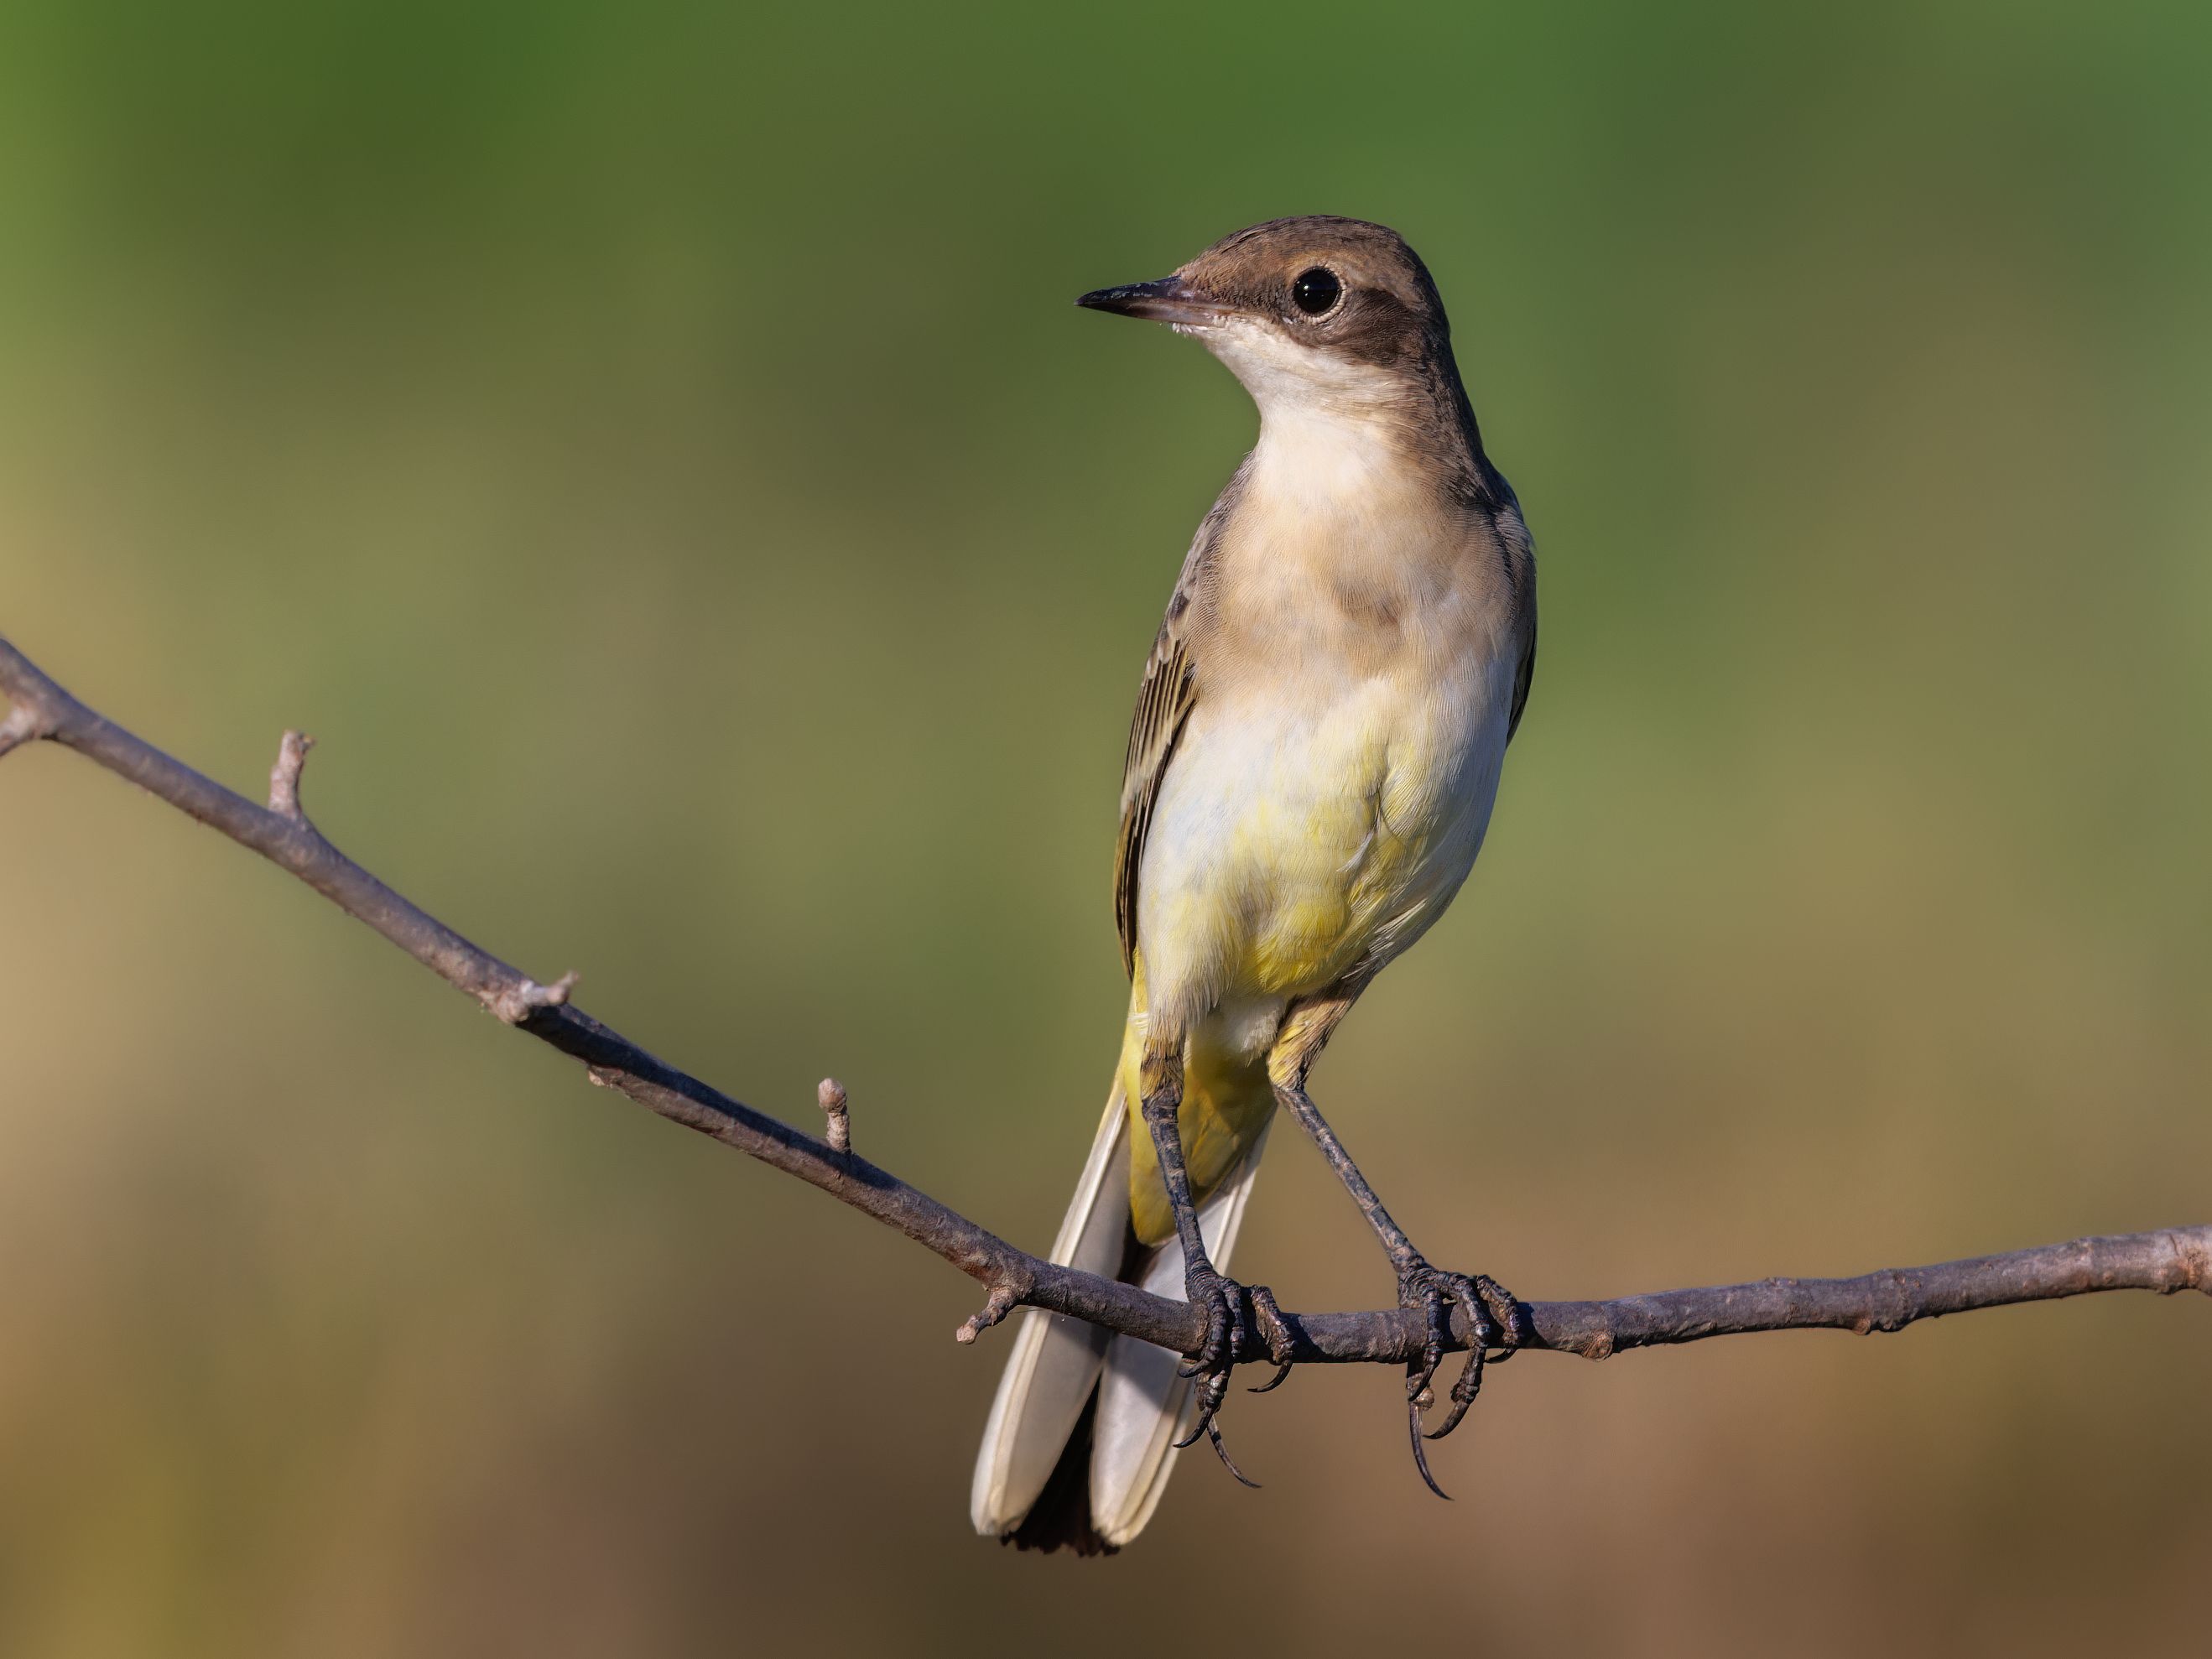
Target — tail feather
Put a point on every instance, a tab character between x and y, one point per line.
1144	1407
1079	1446
1054	1367
1060	1517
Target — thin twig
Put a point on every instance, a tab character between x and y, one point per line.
829	1094
2175	1259
284	777
21	726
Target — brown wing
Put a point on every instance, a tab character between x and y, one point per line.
1170	692
1163	705
1524	677
1520	552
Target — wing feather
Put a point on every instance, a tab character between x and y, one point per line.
1164	706
1519	553
1164	701
1524	676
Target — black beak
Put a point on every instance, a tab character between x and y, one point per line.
1170	300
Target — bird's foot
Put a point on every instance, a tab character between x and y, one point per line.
1495	1320
1226	1334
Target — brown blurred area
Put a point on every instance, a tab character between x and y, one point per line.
652	450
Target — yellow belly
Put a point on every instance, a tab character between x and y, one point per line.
1226	1101
1291	844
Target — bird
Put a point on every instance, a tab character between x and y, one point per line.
1316	752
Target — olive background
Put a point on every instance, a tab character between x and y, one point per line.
652	449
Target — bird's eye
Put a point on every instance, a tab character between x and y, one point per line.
1315	290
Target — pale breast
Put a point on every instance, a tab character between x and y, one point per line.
1331	789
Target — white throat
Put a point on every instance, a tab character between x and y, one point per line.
1332	430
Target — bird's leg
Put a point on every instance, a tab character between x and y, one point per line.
1495	1319
1161	1079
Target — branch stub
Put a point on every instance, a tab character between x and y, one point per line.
829	1094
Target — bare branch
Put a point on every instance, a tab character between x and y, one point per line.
2173	1259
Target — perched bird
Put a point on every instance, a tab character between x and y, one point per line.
1314	754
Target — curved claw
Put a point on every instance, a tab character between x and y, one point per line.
1481	1334
1216	1359
1463	1394
1495	1319
1210	1394
1511	1313
1214	1434
1420	1456
1419	1376
1225	1327
1278	1333
1209	1406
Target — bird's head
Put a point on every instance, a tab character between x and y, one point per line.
1314	311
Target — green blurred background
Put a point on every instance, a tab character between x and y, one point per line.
652	449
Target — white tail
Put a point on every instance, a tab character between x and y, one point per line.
1057	1361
